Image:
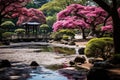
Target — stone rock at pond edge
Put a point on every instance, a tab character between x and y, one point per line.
5	63
97	74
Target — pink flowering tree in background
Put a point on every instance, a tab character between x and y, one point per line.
9	7
91	15
107	27
29	15
70	23
108	24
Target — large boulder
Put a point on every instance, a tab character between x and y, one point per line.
79	59
5	63
97	74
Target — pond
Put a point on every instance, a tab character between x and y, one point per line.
35	52
45	74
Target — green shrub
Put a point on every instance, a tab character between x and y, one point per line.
7	34
8	25
61	34
20	32
44	26
56	36
68	32
65	37
99	47
115	59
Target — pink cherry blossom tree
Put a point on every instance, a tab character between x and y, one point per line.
15	8
8	7
29	15
91	15
70	23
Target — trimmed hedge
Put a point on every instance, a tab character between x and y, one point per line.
99	47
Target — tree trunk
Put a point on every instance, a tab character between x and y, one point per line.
112	10
83	33
116	30
0	20
92	31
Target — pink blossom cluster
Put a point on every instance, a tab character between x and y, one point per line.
109	24
29	15
15	8
69	23
7	6
107	28
76	16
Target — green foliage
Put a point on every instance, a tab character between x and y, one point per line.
65	37
7	24
7	34
50	20
44	26
56	36
50	8
32	5
59	35
99	47
67	32
36	3
20	31
115	59
54	6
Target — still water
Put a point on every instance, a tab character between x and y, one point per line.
42	73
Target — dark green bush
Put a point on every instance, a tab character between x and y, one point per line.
65	37
99	47
115	59
60	34
7	35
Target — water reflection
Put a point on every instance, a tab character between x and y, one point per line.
41	73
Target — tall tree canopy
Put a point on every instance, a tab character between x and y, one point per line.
112	9
8	7
79	16
30	15
57	5
40	2
36	3
16	8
